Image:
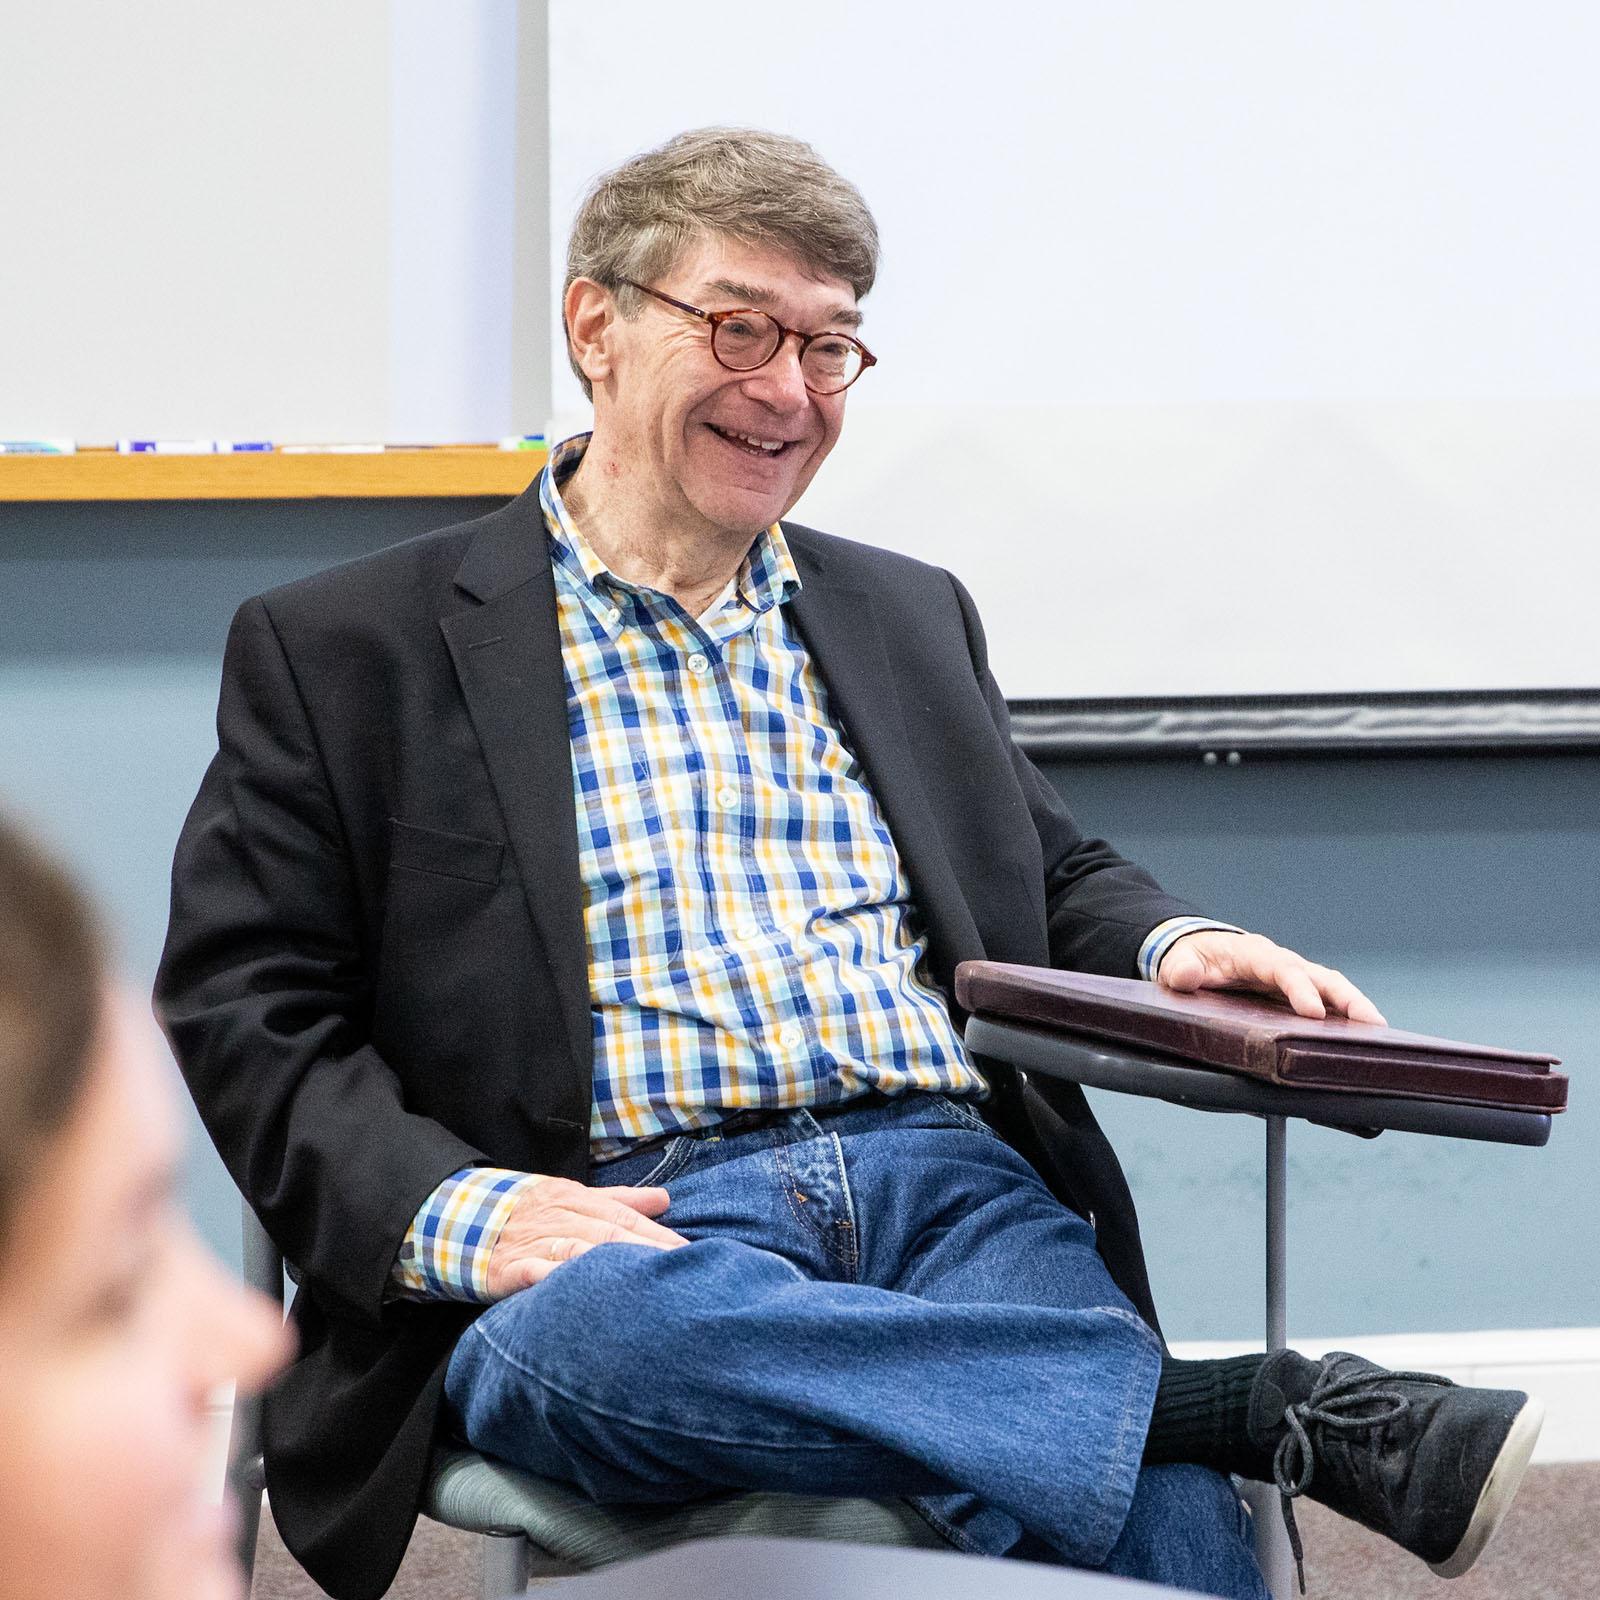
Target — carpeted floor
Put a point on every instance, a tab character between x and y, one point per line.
1548	1549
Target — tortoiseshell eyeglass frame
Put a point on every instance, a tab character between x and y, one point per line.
714	320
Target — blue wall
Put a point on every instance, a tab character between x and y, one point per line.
112	623
1460	893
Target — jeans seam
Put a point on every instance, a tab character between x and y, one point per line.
788	1188
946	1530
1130	1411
674	1428
854	1261
1099	1513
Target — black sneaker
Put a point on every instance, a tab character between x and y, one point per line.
1427	1463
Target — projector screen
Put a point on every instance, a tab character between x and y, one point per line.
1224	350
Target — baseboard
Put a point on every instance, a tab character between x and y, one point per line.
1559	1365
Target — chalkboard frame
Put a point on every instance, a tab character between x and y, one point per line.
1227	730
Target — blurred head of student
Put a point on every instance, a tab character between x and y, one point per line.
115	1327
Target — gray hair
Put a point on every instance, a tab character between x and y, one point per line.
737	183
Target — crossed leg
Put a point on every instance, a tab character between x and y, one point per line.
893	1306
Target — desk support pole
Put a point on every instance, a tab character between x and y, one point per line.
1272	1542
1277	1233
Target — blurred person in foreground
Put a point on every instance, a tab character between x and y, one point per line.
116	1328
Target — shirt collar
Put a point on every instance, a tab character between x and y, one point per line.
766	577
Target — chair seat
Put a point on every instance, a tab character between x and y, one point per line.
469	1491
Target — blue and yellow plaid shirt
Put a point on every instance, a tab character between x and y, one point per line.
752	939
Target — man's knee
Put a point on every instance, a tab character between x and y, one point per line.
604	1323
534	1359
589	1312
582	1376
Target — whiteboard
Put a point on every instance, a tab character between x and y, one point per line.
1227	349
285	222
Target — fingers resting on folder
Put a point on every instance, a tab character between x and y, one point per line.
1213	959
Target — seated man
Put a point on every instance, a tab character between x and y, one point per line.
596	873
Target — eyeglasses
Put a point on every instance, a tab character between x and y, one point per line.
746	339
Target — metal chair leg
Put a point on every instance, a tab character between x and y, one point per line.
249	1504
505	1564
1272	1541
263	1270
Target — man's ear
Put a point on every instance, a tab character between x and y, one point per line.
591	314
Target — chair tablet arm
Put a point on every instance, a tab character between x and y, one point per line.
1057	1053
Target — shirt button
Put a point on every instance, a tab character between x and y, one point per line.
698	663
727	797
746	931
791	1038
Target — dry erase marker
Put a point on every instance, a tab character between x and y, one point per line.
166	447
243	447
38	447
333	449
523	441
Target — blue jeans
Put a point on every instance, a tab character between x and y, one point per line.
883	1300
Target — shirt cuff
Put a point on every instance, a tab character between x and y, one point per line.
445	1253
1164	935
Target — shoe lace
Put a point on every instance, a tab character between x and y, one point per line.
1345	1398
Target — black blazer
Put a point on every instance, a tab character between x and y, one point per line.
375	970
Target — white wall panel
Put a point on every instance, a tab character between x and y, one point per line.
1239	348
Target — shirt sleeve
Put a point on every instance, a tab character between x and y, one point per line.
1164	935
445	1253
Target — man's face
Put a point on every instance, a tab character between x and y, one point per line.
679	423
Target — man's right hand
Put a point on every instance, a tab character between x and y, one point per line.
555	1219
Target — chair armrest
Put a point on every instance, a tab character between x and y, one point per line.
1057	1053
1261	1039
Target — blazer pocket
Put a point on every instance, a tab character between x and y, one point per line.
451	855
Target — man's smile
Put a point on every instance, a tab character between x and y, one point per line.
753	444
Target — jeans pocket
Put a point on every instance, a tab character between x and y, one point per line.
639	1172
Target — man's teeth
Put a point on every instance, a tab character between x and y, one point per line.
771	446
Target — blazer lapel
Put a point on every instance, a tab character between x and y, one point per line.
507	655
840	626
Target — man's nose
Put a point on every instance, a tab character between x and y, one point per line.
780	383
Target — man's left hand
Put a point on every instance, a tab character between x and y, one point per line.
1213	959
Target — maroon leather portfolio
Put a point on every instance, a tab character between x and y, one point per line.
1262	1038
